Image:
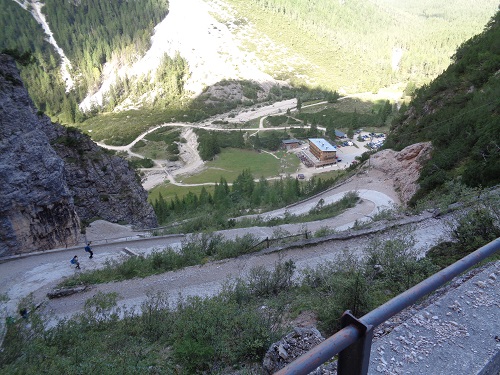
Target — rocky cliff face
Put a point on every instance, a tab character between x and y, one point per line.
103	185
36	204
403	167
51	177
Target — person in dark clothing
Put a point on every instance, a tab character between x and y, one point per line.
24	313
89	250
75	262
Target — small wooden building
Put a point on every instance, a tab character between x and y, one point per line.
289	144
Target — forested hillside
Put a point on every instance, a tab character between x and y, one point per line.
20	32
364	45
92	32
460	113
354	46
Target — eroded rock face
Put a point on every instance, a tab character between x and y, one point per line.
52	178
403	167
103	185
36	205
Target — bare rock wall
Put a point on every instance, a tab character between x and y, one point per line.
403	167
36	205
52	178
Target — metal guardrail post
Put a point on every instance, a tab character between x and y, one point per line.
350	334
355	359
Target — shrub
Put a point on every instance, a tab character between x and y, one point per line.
142	163
395	264
210	334
324	231
262	282
469	231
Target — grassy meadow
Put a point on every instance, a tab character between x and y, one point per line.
229	164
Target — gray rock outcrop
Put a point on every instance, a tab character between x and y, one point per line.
36	204
103	185
52	177
290	347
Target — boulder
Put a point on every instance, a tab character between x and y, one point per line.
290	347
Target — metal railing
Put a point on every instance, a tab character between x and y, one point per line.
353	341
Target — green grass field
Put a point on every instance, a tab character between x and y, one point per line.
229	164
168	191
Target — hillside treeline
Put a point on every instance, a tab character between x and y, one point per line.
21	34
460	113
229	201
364	45
92	32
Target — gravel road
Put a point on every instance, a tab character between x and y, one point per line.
39	274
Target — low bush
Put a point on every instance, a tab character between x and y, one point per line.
469	231
142	163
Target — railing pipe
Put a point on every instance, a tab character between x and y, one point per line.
342	339
405	299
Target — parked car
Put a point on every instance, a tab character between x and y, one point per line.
301	176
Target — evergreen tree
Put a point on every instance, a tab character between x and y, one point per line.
205	197
221	194
243	185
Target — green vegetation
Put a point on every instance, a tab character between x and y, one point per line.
170	191
371	115
40	73
281	120
197	335
93	32
230	162
214	211
210	334
122	128
141	163
458	112
161	144
367	38
470	228
320	212
167	86
428	38
198	249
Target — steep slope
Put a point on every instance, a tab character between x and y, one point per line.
36	204
116	48
460	113
209	39
53	177
103	185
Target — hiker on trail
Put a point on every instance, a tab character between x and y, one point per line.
89	250
24	313
75	262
